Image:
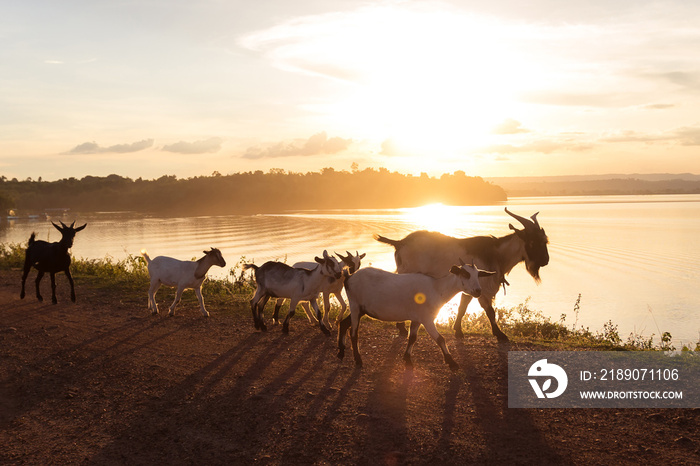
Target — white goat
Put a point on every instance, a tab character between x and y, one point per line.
394	297
181	274
334	287
278	280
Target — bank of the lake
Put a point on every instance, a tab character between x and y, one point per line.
634	260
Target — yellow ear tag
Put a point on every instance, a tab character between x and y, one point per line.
419	298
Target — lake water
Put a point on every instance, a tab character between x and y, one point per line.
635	260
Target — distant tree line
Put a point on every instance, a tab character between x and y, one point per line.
250	192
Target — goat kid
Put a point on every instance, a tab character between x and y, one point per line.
330	287
51	258
394	297
181	274
432	253
278	280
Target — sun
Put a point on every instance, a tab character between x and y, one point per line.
431	82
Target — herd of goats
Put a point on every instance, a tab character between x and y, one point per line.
431	268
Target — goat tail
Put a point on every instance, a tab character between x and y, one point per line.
383	239
31	239
145	256
250	266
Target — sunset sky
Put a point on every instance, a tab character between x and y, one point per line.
494	88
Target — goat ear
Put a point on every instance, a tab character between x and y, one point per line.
485	273
80	228
455	270
362	256
319	260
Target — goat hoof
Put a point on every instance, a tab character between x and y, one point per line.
263	327
325	331
358	362
21	295
341	353
459	334
407	360
54	301
285	328
39	298
453	365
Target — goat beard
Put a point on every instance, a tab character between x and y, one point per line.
533	269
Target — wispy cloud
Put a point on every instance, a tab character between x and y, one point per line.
658	106
541	147
94	148
206	146
318	144
685	136
510	126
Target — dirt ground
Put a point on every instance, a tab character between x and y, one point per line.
104	382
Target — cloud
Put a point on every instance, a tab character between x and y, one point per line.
573	99
658	106
510	126
389	148
684	79
543	147
94	148
206	146
686	136
318	144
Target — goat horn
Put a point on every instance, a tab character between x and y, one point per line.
534	219
72	224
526	222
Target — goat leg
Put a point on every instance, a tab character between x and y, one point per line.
72	285
324	329
53	287
292	309
411	341
342	330
276	313
178	297
491	314
401	327
200	298
37	281
27	268
463	303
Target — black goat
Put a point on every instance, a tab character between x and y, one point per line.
51	258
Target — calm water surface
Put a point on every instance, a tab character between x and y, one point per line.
635	260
